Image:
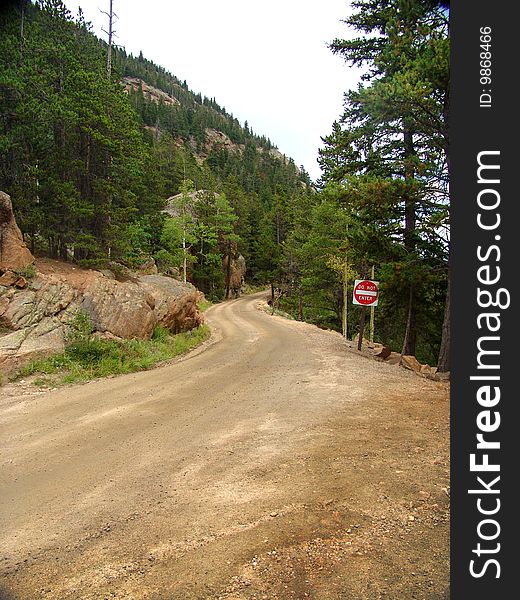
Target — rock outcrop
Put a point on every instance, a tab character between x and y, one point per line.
35	319
235	272
175	303
152	94
36	309
14	254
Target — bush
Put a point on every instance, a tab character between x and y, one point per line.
165	260
86	352
27	272
160	334
81	328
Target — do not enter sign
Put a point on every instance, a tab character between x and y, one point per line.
366	292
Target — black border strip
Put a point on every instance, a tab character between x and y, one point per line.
479	127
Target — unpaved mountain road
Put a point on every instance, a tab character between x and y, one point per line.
275	464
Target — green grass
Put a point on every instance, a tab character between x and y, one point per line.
88	359
204	305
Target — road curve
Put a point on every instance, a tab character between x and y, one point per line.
274	464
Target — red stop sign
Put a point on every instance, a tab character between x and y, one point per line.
366	292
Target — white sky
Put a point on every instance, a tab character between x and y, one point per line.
266	62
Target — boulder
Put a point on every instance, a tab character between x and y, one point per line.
172	272
175	303
428	371
382	352
123	309
120	272
410	362
394	358
28	344
44	297
14	254
148	267
37	318
236	272
10	278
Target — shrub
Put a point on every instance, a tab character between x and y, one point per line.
87	352
81	328
27	272
160	334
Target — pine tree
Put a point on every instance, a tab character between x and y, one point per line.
395	125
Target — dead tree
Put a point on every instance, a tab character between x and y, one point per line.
111	34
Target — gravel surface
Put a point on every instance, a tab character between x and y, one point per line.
273	463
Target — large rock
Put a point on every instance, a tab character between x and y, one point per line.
409	361
174	307
14	254
148	267
428	371
11	278
236	271
394	358
125	310
35	320
24	345
382	352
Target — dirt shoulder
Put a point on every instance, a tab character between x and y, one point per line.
275	465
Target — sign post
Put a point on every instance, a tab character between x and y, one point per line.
366	293
345	298
372	312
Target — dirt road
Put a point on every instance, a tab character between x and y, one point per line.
275	464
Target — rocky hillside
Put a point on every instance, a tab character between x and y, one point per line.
151	93
167	105
90	161
40	298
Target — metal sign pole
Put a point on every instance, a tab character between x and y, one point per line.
372	314
345	298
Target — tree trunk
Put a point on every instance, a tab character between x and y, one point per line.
410	338
228	274
63	251
344	315
361	327
372	311
110	35
443	363
184	261
408	342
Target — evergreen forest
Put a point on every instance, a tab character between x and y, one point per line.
95	142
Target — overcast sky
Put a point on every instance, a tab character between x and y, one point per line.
266	62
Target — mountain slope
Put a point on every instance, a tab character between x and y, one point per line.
89	160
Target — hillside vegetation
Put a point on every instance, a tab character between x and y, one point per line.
91	156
